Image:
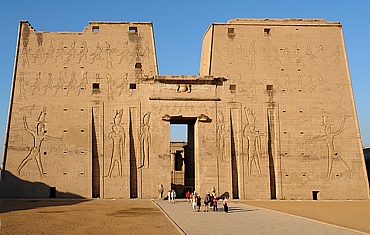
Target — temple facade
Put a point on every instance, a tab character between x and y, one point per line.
271	114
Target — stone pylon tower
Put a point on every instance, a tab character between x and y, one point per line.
271	115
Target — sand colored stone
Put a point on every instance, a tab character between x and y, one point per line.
271	114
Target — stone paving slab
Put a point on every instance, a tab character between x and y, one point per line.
243	219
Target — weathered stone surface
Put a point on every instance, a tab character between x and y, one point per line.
271	114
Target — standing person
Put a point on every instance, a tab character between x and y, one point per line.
169	196
194	202
214	203
160	191
173	196
226	204
199	202
207	200
188	196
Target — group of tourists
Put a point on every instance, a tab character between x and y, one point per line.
209	202
171	196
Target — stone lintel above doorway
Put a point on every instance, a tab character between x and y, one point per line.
185	79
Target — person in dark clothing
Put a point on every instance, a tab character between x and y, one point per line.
199	202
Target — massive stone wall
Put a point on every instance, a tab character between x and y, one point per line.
271	114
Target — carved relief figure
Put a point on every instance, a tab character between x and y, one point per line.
71	54
110	84
22	89
25	60
59	52
337	56
49	85
96	54
329	138
37	56
117	135
109	51
49	53
124	53
123	86
311	57
222	135
37	84
82	54
253	136
145	137
39	135
72	84
83	83
253	53
60	84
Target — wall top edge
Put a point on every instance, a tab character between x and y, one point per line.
280	21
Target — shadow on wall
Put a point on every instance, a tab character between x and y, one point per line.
367	162
13	187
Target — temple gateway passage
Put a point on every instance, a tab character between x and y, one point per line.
271	114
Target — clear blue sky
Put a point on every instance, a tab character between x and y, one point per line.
179	27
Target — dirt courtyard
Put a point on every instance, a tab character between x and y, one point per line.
33	216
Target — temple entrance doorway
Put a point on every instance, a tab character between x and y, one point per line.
182	155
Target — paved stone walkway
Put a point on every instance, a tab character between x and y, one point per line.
243	219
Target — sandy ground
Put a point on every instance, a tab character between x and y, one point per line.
143	217
349	214
83	217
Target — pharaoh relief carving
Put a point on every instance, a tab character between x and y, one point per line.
117	135
253	142
145	140
39	136
333	156
222	136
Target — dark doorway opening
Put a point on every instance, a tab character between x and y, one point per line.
95	154
270	142
53	192
182	150
133	158
315	194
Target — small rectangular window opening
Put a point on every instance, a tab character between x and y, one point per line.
138	66
96	86
230	30
132	29
232	87
269	87
95	29
266	31
132	86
